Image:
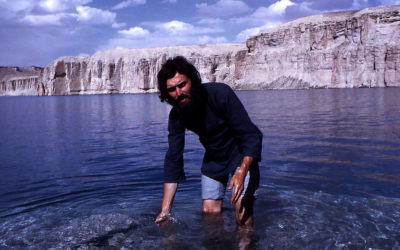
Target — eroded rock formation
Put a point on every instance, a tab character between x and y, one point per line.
15	81
133	71
333	50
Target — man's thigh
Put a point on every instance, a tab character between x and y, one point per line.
213	189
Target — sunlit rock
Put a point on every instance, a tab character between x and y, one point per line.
333	50
133	71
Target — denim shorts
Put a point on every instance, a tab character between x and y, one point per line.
214	189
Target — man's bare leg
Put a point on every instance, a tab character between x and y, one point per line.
212	207
214	234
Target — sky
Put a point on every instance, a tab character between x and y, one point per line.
36	32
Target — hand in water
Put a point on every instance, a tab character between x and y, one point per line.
163	218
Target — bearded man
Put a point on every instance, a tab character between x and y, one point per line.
232	142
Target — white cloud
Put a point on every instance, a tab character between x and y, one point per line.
260	15
176	27
209	39
61	5
306	7
169	1
183	29
128	3
93	15
84	54
358	4
210	21
96	16
263	18
170	33
280	6
116	25
41	20
245	34
55	12
223	8
11	10
135	32
159	40
16	5
263	15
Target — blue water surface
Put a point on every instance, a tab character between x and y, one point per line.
87	171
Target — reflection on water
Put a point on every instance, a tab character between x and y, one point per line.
86	171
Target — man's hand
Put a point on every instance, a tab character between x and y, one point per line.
168	198
237	181
162	218
238	178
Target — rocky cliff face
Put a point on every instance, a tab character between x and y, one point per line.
133	71
15	81
334	50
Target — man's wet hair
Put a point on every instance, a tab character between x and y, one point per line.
180	65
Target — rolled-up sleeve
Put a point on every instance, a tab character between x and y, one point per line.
173	163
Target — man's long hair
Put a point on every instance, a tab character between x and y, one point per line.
180	65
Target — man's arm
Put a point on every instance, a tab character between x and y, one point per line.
238	178
248	136
168	199
173	164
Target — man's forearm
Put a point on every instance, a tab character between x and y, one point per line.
168	198
246	163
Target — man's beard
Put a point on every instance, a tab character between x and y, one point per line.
195	102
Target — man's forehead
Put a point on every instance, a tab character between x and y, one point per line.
177	79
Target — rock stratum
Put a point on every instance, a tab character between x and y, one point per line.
333	50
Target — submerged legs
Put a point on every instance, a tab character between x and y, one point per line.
212	209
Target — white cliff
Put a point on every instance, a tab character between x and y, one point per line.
332	50
135	70
16	81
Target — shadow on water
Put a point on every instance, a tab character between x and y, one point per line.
108	238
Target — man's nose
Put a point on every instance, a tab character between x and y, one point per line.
178	91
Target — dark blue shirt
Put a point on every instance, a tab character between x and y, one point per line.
224	129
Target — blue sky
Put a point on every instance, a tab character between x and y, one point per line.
35	32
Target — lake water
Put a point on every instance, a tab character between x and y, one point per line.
87	172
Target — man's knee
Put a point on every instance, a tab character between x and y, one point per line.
212	206
208	210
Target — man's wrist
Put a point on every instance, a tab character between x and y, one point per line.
165	210
244	168
241	171
246	163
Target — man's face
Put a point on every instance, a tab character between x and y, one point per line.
179	89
